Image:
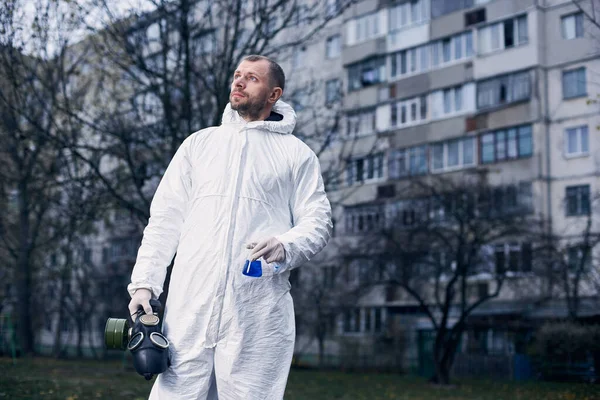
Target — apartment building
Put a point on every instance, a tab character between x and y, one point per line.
435	87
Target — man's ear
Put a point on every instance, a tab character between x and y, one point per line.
275	95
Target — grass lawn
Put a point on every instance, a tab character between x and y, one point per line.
43	378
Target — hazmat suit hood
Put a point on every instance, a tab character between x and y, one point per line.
285	126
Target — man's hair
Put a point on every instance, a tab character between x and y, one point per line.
275	71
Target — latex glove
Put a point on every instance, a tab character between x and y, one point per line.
270	249
141	297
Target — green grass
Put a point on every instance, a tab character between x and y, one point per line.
44	378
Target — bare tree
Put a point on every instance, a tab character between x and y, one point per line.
165	73
569	263
590	9
437	244
33	89
322	293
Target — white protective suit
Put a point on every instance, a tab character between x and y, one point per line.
225	187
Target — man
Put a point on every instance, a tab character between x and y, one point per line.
246	190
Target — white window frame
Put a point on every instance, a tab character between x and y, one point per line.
407	104
579	131
571	19
424	55
440	96
462	142
366	27
485	36
401	15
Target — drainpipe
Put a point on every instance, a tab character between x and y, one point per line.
546	118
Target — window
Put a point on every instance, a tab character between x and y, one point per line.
398	164
513	257
572	26
361	123
452	100
452	154
352	321
574	83
364	28
578	200
364	169
408	13
299	58
475	17
468	44
576	141
332	91
503	90
405	162
405	212
417	59
506	144
366	73
333	47
329	274
423	107
418	160
501	201
503	35
578	258
363	219
409	112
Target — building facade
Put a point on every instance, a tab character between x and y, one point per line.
452	87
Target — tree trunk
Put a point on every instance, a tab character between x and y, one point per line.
23	285
57	350
443	357
80	325
321	340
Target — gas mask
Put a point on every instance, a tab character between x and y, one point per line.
148	346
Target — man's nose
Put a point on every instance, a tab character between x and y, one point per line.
239	82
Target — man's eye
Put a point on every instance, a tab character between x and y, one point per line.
253	79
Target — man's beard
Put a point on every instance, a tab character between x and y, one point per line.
251	108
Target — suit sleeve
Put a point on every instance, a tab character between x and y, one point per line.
311	215
161	235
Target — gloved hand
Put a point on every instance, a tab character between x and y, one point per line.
141	297
270	249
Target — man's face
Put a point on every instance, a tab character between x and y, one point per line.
251	88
